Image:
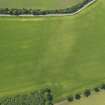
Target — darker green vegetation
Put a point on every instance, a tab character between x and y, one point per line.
70	98
48	97
87	93
77	96
34	98
103	86
96	89
23	11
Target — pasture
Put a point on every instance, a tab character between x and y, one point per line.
64	53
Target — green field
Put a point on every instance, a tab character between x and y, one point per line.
64	53
38	4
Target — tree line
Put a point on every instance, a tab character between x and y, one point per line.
24	11
86	93
41	97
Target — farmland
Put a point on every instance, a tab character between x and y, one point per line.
64	53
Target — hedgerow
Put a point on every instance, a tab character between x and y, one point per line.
24	11
33	98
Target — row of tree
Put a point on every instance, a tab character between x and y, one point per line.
24	11
86	93
42	97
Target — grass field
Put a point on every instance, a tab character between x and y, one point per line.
38	4
65	53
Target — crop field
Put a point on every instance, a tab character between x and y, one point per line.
38	4
64	53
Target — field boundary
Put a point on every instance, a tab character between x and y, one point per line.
50	15
87	93
93	94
